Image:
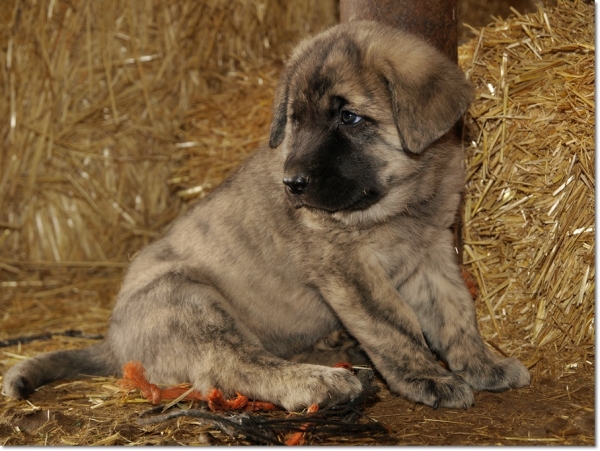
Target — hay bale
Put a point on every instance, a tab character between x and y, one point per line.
222	130
95	94
529	216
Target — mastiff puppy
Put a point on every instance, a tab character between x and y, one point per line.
341	223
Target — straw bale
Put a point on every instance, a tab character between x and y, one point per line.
222	130
529	215
95	94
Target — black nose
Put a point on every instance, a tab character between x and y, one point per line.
296	184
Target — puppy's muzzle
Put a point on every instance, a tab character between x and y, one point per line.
296	184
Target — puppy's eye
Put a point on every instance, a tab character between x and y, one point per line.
349	118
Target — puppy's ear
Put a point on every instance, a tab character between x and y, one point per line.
429	94
280	111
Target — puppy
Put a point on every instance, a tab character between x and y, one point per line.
340	224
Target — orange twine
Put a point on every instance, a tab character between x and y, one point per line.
471	284
297	438
134	377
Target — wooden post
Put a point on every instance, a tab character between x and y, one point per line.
432	20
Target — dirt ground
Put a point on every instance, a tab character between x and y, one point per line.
558	411
550	412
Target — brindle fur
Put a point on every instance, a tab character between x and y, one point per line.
251	281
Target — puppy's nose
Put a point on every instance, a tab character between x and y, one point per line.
296	184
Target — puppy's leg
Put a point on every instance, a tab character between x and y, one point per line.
389	332
188	336
446	312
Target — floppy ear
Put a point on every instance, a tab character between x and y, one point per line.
279	111
426	100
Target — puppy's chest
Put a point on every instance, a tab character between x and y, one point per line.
399	260
397	252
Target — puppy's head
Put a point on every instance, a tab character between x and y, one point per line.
356	112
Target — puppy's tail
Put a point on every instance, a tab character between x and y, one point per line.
21	380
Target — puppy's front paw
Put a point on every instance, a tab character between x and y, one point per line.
438	391
498	375
315	384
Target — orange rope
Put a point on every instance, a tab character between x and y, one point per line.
471	284
297	438
134	378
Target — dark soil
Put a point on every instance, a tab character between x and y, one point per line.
556	411
550	412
